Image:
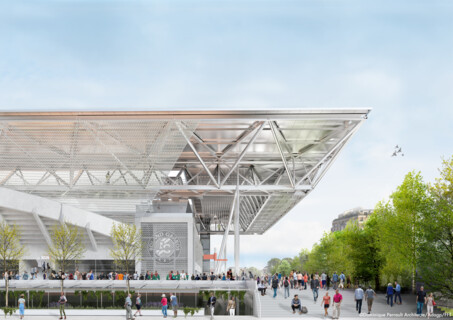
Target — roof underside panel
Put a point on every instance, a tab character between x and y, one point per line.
110	162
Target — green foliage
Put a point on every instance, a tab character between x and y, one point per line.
10	248
67	245
284	268
435	261
127	245
272	265
188	310
39	294
9	311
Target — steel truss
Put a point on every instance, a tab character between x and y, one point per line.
273	159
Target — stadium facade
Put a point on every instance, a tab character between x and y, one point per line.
180	176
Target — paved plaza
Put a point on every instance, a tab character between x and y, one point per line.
281	308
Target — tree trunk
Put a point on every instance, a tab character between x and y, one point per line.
61	285
7	289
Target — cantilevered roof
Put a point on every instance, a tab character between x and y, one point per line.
113	161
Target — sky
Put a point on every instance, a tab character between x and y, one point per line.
393	56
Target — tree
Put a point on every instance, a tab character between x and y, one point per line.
404	232
10	248
284	268
66	246
436	250
272	265
364	250
127	246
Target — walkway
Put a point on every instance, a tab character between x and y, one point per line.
280	307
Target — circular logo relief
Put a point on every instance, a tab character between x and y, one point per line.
164	246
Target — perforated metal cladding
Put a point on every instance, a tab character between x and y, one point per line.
165	247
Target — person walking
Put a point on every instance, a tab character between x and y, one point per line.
430	304
21	303
397	292
62	303
334	280
128	306
299	280
295	304
211	304
390	294
138	305
286	287
323	280
342	280
421	297
231	308
174	304
326	302
337	299
358	297
275	285
164	304
369	297
314	283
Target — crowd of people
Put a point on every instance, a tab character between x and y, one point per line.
316	281
295	280
48	273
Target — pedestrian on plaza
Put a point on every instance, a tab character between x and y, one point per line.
390	294
211	304
138	305
421	297
337	299
128	306
62	303
323	280
342	280
326	302
286	287
348	281
231	308
397	292
358	297
430	304
174	304
295	304
334	280
21	303
369	297
164	304
314	284
275	285
305	281
327	282
299	280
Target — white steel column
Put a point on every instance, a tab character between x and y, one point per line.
236	232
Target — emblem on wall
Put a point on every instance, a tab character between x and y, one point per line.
164	246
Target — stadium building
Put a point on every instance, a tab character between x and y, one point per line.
180	176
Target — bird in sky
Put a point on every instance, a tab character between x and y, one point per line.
398	150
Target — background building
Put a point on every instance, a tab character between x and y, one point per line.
357	214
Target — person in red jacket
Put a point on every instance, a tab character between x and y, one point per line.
164	304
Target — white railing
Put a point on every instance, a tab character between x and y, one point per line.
252	286
136	285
